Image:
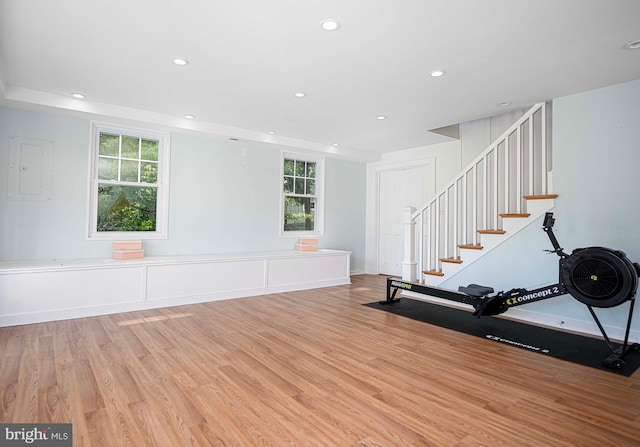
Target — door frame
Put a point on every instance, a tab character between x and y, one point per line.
374	172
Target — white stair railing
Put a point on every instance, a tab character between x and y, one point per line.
514	166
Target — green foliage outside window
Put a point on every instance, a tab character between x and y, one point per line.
126	208
299	213
299	187
127	183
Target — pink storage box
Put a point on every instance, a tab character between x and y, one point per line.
306	247
127	245
127	254
309	240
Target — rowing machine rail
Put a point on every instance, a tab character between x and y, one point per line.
595	276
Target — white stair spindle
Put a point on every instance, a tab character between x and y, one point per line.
543	149
437	234
485	195
456	214
506	175
463	209
446	223
409	263
519	170
531	190
474	204
429	237
494	183
420	243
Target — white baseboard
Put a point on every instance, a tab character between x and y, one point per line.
106	309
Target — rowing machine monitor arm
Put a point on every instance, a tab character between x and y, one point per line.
547	226
502	301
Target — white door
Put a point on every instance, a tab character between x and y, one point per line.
398	189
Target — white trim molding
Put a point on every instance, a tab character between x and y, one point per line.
374	171
163	183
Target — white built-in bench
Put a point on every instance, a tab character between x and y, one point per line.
33	292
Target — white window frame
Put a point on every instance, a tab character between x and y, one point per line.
162	204
319	216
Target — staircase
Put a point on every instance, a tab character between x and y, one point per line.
503	190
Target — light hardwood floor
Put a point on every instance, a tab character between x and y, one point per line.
312	368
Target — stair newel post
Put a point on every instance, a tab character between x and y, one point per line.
409	262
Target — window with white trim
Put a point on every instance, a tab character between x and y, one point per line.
301	195
129	184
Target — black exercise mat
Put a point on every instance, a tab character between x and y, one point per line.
571	347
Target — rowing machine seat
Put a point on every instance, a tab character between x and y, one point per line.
476	290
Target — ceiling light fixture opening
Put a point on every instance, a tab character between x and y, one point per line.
504	104
181	62
330	25
189	117
78	95
436	73
381	117
271	132
300	94
634	45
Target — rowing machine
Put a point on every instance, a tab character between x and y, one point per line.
595	276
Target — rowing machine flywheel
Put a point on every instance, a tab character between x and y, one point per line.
599	277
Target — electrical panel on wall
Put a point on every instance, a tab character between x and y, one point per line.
30	169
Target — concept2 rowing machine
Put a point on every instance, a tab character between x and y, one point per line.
595	276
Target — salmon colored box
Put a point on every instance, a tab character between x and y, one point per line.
127	245
127	254
306	247
309	240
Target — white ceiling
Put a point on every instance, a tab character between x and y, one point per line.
248	58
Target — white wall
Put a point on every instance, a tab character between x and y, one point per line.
344	225
220	202
55	228
477	135
447	158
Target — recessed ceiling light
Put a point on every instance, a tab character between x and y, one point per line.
335	145
78	95
189	117
436	73
330	25
504	104
300	94
271	132
381	117
633	45
180	61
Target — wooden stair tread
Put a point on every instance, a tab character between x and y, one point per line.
433	272
518	215
471	246
541	197
491	231
451	260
